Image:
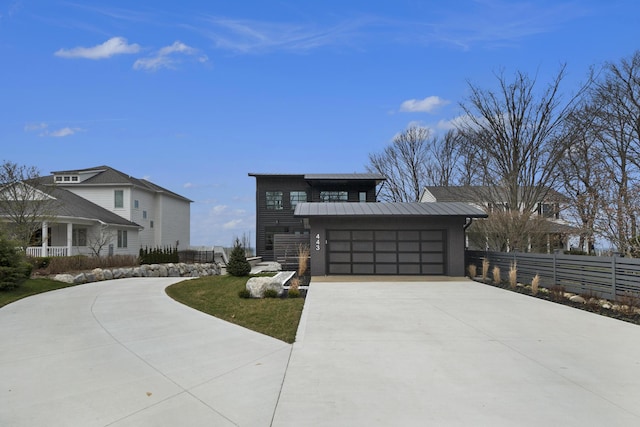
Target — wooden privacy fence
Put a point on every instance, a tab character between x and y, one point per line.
607	277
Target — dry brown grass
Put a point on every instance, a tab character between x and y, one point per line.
496	275
485	268
513	275
58	265
303	259
473	270
535	284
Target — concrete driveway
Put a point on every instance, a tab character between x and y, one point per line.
444	353
456	353
122	353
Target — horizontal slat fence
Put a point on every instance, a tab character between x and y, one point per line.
196	257
285	249
607	277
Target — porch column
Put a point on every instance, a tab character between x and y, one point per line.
69	238
45	237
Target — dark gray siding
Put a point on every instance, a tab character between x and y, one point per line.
282	221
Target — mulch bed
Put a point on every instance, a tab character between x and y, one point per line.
558	298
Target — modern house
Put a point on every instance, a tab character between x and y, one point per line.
349	233
558	230
104	211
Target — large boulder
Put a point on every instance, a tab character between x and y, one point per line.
258	285
66	278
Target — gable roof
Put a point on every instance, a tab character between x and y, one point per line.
106	175
350	209
69	205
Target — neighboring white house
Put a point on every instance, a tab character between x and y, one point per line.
103	208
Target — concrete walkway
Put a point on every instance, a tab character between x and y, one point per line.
456	354
122	353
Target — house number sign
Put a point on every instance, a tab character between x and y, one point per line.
317	242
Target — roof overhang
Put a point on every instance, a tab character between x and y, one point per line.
347	209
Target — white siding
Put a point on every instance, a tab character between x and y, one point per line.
146	203
105	197
174	221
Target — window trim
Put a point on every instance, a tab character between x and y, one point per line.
273	200
117	193
298	198
122	239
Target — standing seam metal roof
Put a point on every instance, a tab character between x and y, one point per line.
388	209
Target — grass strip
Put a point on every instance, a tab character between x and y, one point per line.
30	287
218	296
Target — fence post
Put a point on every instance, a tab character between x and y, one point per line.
613	276
555	278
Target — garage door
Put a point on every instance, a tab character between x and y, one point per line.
413	252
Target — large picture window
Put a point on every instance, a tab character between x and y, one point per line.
296	197
274	200
118	199
334	196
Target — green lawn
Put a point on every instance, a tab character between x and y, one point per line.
30	287
218	296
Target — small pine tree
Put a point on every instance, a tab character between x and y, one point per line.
238	264
14	270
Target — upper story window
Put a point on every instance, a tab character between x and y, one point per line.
362	196
144	214
136	204
334	196
274	200
296	197
118	199
549	210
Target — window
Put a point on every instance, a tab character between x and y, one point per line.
334	196
151	224
362	196
74	178
79	237
144	214
274	200
296	197
122	238
549	210
118	199
58	178
136	204
67	178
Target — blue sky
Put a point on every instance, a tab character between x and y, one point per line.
194	95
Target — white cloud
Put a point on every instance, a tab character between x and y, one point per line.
188	185
33	127
43	128
233	224
113	46
166	57
427	105
217	210
63	132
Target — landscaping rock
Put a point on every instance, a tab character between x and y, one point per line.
578	299
98	273
80	279
108	275
66	278
258	285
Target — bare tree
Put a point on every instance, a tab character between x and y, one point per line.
442	168
583	175
617	123
24	201
517	134
98	239
403	163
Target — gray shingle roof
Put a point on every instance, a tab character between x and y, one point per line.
108	176
388	209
